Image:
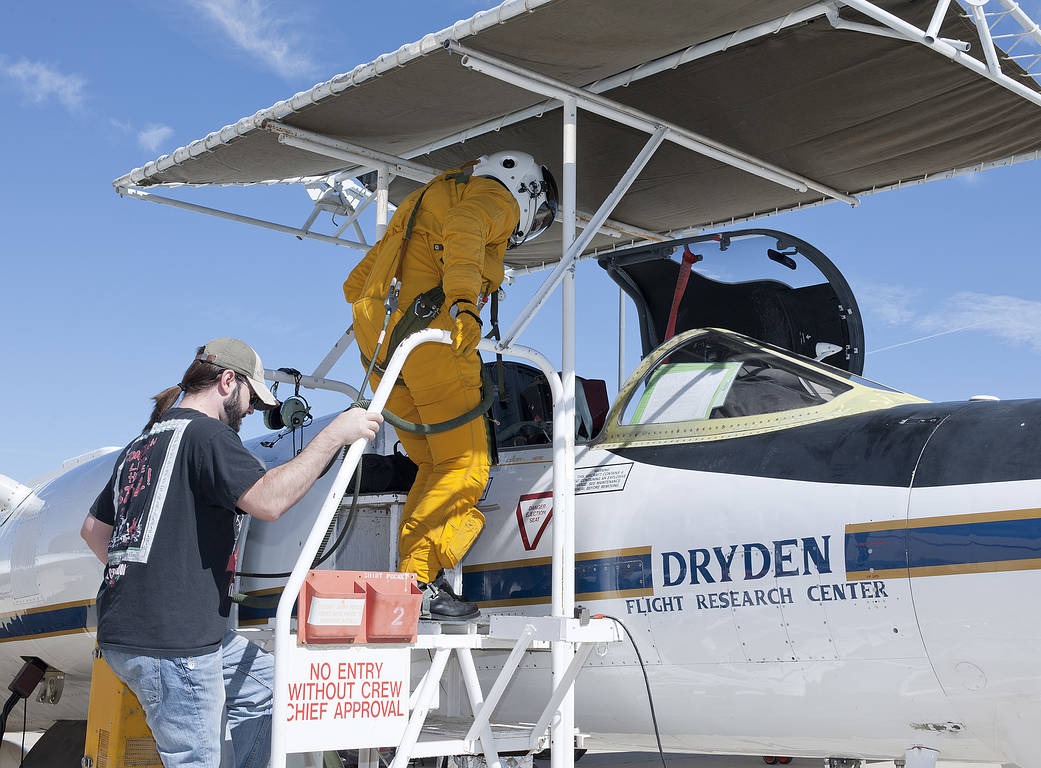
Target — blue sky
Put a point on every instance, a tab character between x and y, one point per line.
103	299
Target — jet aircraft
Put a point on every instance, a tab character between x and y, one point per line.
810	563
773	529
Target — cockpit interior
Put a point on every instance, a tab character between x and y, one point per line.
737	329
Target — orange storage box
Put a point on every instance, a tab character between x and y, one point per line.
337	607
330	608
392	610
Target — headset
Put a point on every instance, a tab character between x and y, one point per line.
292	413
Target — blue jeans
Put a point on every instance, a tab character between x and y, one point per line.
185	700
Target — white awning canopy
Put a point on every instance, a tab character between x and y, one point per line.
762	105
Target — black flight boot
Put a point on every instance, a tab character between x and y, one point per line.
441	603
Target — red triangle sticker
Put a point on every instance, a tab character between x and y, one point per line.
534	511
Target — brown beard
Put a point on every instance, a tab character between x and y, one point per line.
233	410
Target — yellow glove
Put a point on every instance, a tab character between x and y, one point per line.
467	330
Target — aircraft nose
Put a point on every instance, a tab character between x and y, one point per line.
984	442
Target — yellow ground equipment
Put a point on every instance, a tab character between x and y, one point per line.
117	734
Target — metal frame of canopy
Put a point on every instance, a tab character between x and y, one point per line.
569	99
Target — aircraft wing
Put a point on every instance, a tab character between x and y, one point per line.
819	92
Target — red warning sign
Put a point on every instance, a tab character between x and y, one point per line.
346	698
534	511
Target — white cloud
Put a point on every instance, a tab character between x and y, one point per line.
154	136
891	304
124	126
1009	318
253	28
41	82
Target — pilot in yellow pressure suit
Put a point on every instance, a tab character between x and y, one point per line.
450	236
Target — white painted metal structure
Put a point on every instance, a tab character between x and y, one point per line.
358	159
336	193
563	631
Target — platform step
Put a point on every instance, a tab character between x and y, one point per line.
443	735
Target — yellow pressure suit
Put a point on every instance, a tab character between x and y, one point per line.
458	240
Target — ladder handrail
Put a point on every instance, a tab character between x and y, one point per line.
350	462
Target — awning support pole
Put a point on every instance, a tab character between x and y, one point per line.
621	338
944	48
562	746
673	60
150	197
634	118
382	202
583	240
352	153
983	28
939	14
614	228
1004	162
369	158
837	22
313	382
335	353
353	217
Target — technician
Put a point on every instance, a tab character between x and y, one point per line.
166	527
444	250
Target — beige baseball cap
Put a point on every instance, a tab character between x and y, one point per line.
240	357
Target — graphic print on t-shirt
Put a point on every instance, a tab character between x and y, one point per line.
142	482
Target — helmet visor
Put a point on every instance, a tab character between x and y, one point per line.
546	213
544	217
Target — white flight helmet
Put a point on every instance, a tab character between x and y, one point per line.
532	186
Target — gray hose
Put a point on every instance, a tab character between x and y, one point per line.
488	390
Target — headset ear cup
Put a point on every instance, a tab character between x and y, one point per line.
294	411
273	417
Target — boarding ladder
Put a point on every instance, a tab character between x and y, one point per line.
449	732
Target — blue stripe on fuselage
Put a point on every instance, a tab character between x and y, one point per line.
941	546
56	620
596	577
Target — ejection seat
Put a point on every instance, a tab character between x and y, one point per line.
525	415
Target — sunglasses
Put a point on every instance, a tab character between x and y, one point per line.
254	401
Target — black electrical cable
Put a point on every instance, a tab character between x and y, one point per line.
25	708
320	558
8	706
646	682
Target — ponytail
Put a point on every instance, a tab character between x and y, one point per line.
199	376
163	401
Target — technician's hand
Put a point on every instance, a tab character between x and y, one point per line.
354	423
466	334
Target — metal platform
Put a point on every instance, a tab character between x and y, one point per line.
440	733
427	736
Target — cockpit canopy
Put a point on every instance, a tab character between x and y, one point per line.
712	384
705	384
713	376
742	332
761	283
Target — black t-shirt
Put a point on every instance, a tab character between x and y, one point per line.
171	558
